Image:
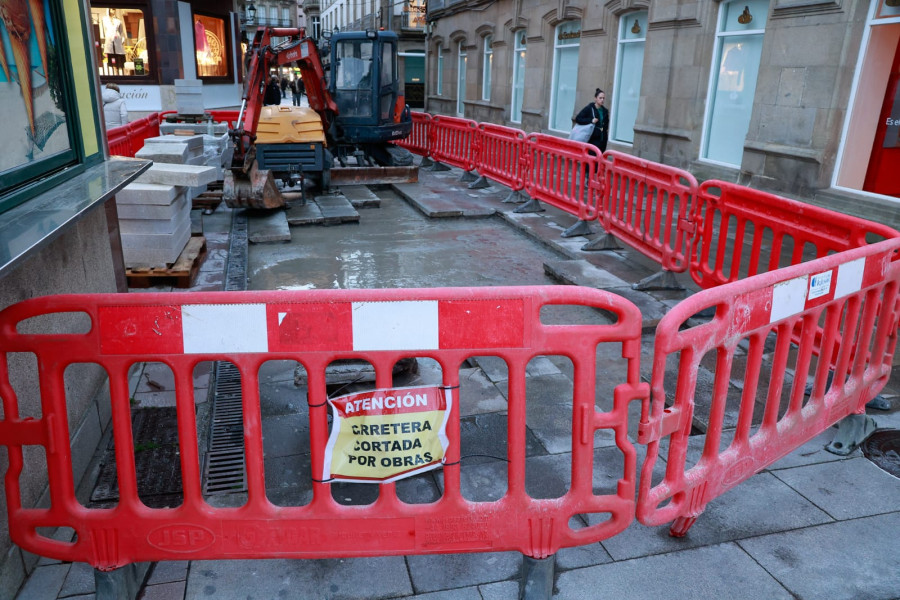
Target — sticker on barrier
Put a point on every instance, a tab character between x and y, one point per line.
389	434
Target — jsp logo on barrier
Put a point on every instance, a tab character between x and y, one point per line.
388	434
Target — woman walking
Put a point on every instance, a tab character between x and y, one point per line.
598	115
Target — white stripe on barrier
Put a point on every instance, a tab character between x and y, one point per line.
395	325
788	298
224	328
850	277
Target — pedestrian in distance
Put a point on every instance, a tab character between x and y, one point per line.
273	93
598	115
297	88
284	86
114	111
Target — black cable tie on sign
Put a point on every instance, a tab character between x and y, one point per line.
449	387
317	405
321	480
446	464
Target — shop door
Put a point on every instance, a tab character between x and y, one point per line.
883	174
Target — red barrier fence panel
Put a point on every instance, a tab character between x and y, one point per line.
225	116
118	141
452	141
564	174
417	141
501	155
647	205
250	329
742	232
770	331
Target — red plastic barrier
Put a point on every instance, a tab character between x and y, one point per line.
315	328
564	174
501	155
647	206
118	142
127	139
417	141
767	331
742	232
452	141
225	116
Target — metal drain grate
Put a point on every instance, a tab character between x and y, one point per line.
225	470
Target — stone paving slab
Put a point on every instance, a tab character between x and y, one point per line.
431	573
847	560
846	489
349	579
304	214
271	226
336	209
360	196
722	571
745	511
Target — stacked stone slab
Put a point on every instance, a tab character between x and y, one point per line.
155	213
217	146
189	97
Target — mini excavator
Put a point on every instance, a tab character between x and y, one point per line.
355	111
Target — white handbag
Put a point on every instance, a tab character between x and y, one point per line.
582	133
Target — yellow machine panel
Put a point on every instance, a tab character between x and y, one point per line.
289	124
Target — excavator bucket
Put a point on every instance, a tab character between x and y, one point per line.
255	189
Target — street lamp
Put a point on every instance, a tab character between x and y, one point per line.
251	13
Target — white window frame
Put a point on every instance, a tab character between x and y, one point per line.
439	84
488	62
461	63
620	56
519	56
721	35
554	86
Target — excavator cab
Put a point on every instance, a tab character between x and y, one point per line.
364	82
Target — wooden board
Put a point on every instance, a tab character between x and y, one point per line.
181	273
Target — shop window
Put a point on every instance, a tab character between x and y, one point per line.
488	62
732	87
518	75
629	71
210	46
36	101
121	40
461	80
565	75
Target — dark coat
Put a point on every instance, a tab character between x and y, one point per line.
600	135
273	94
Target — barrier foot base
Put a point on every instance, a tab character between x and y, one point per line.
426	162
680	526
515	197
536	582
468	176
123	583
532	206
439	166
664	280
579	228
479	184
852	431
879	403
607	241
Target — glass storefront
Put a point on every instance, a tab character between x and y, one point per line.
120	39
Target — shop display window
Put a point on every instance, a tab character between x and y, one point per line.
121	41
36	101
210	46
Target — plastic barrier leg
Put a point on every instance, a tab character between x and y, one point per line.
532	206
479	184
879	402
852	431
664	280
439	166
120	584
426	162
579	228
516	197
536	581
680	526
607	241
468	176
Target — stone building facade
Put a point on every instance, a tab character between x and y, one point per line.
793	96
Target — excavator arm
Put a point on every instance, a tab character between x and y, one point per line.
262	56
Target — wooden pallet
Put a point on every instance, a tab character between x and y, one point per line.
181	273
208	201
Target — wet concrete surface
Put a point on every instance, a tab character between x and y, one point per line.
397	246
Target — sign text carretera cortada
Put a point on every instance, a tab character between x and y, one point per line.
387	434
